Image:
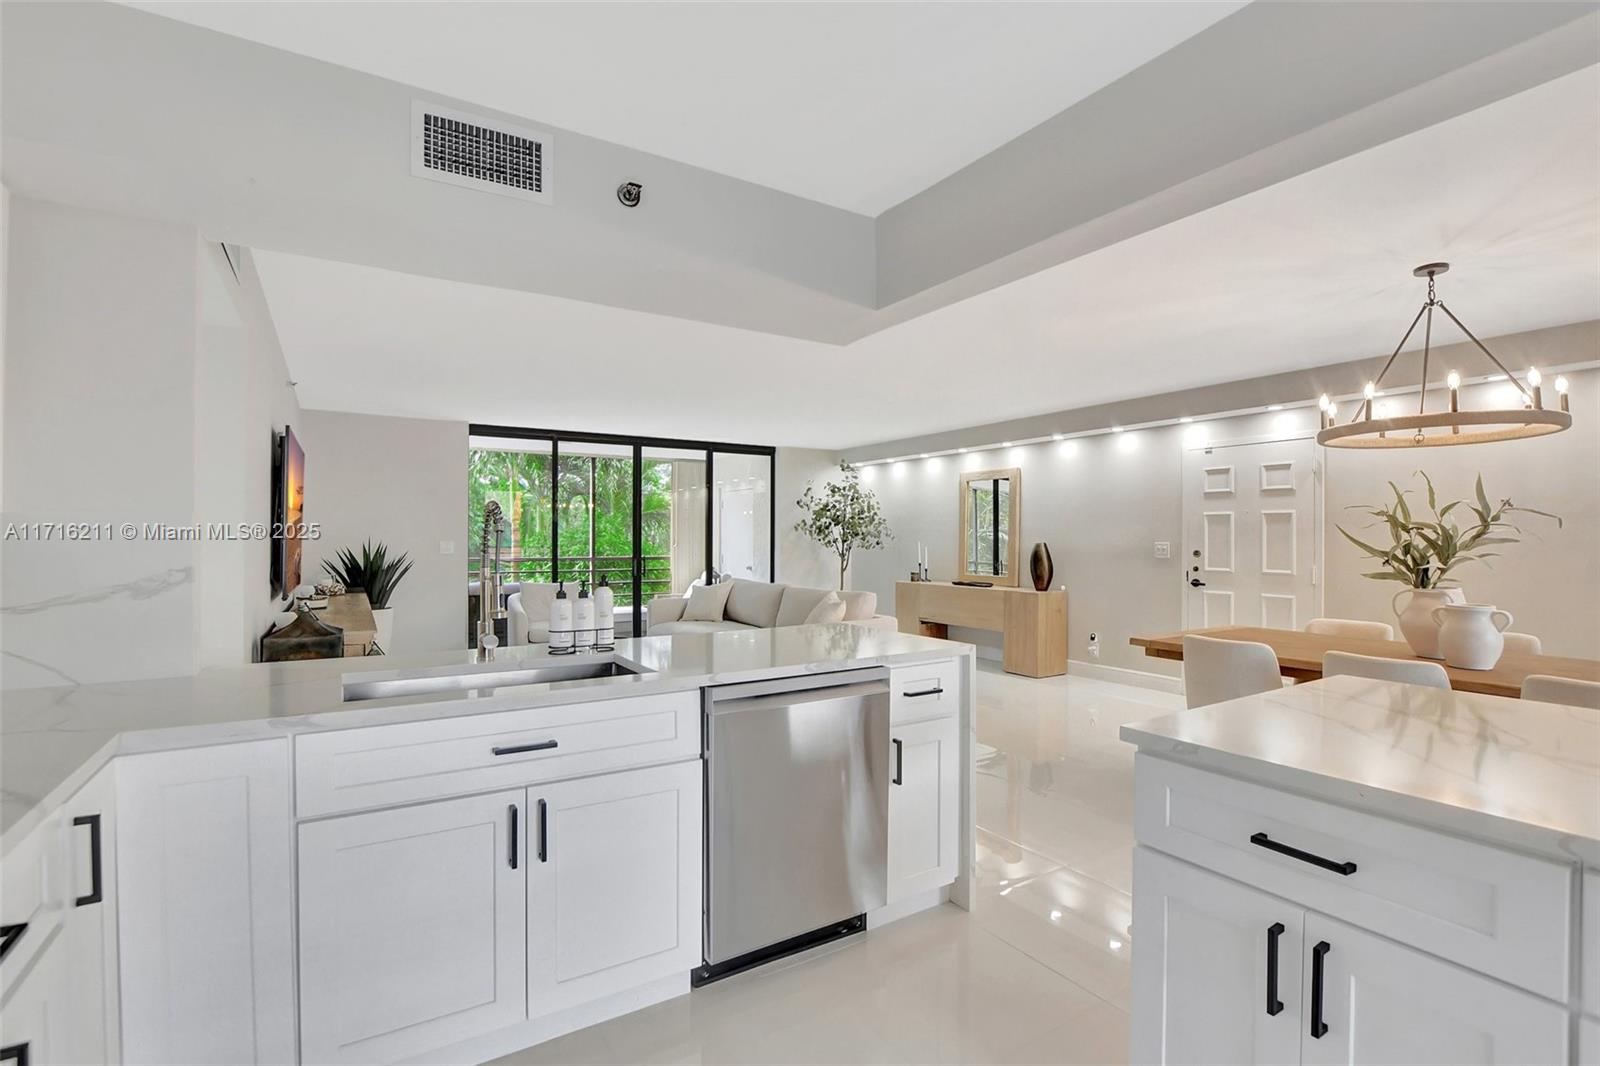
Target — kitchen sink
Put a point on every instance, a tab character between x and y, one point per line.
423	683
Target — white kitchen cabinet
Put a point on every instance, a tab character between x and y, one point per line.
204	879
924	804
1236	949
614	875
412	928
1372	1001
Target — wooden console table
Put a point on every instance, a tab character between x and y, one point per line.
352	613
1032	625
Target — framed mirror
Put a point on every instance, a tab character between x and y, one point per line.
990	525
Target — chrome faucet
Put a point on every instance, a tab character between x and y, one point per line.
489	609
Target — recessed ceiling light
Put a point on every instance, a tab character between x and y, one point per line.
1275	407
1117	429
1186	418
1057	436
1005	444
924	455
963	451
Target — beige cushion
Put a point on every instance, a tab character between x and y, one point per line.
797	604
755	603
667	629
707	603
858	605
828	609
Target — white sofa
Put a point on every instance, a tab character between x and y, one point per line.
528	612
760	605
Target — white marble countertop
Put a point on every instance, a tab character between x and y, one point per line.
53	739
1516	772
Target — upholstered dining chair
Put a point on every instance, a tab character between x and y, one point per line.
1548	689
1349	627
1405	671
1217	670
1522	644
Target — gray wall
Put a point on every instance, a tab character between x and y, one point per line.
142	384
402	481
1101	503
801	560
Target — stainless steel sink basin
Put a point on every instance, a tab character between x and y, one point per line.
359	688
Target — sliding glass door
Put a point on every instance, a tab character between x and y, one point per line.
646	515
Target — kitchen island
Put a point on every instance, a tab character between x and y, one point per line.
1359	871
411	858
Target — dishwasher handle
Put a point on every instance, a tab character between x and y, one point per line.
796	691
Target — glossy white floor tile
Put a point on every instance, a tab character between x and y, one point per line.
1039	973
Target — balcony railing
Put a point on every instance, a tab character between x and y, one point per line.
656	575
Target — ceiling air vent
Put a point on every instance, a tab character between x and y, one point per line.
479	153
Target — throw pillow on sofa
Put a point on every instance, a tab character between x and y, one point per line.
706	603
859	605
754	603
828	609
797	604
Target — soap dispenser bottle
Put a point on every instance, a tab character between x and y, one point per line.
583	619
561	622
605	618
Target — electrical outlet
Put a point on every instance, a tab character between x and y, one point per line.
1163	549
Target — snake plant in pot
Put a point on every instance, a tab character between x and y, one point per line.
1422	552
376	574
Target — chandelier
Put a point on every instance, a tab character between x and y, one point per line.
1432	429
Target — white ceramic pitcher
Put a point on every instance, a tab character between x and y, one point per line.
1469	634
1417	623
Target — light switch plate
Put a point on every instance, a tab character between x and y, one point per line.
1163	549
447	547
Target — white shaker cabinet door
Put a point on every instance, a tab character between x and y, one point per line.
924	804
1372	1001
1216	968
412	928
614	883
205	887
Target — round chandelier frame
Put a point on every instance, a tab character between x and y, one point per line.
1455	426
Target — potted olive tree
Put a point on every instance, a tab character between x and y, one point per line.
376	574
843	517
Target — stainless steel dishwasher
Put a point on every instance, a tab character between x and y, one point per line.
797	814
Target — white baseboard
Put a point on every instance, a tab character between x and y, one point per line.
903	908
1123	676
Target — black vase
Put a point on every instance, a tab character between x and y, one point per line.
1042	566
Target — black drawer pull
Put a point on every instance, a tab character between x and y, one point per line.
543	851
518	749
1319	1028
95	874
9	935
1274	1004
512	810
1261	840
934	691
17	1053
899	762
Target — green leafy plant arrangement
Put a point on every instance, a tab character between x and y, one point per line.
372	571
843	517
1423	552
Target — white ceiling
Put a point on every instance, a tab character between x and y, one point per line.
1312	271
855	105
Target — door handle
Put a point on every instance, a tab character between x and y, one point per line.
1319	1028
936	690
512	811
517	749
95	872
544	854
1261	840
1196	583
1274	1004
899	762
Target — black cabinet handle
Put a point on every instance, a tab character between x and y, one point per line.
1318	1027
17	1053
1261	840
9	935
543	851
934	691
1274	1004
512	810
95	873
899	762
517	749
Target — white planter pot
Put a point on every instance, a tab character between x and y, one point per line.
1469	634
385	625
1416	621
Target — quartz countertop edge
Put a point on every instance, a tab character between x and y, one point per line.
55	739
1516	773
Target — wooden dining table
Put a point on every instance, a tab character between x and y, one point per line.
1300	657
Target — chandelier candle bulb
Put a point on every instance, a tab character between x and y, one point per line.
1535	379
1561	391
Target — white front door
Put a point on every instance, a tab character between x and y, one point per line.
1252	544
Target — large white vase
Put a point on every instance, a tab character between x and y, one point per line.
383	620
1469	634
1417	624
